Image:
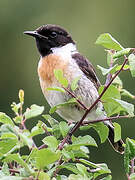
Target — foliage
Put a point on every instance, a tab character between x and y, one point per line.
55	154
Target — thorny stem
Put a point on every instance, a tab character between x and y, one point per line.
77	125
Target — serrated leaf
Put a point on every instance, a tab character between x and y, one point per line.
131	59
44	157
56	89
34	111
108	42
69	102
51	141
60	78
121	53
74	84
68	154
102	131
5	119
64	128
128	107
117	132
106	71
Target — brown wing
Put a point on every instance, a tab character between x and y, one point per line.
87	68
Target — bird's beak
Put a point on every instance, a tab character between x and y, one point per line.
35	34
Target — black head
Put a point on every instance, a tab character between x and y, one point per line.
50	36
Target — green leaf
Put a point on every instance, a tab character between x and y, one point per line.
43	176
107	178
126	157
77	177
131	59
82	169
60	78
108	42
5	119
56	89
103	170
106	71
124	92
7	144
112	92
25	140
128	107
132	176
109	57
117	82
51	141
69	102
82	141
64	128
74	84
131	144
34	111
37	129
11	178
102	131
121	53
70	167
5	169
17	158
117	132
44	157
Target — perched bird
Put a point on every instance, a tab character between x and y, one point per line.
58	51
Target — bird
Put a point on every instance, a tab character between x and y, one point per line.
58	50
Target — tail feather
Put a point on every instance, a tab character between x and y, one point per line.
118	146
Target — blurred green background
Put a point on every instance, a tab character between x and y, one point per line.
85	20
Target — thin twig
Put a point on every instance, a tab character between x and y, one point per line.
105	119
74	96
11	170
132	165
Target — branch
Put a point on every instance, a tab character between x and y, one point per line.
105	119
77	125
11	170
74	96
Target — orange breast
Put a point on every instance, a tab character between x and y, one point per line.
47	65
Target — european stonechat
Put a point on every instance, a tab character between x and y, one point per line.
58	51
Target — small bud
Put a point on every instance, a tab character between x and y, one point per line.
21	96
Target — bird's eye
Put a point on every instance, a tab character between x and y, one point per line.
53	34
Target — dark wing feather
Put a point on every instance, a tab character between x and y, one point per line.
87	68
